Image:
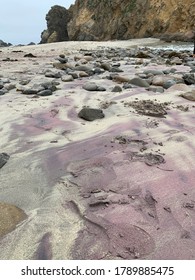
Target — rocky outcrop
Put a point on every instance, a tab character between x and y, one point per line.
57	19
127	19
104	20
3	44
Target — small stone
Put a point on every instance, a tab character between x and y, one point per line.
5	80
153	72
3	159
10	216
176	60
120	79
29	55
117	89
98	70
83	74
67	78
139	82
167	84
49	85
156	89
115	70
62	59
189	79
3	91
91	86
29	91
24	82
73	74
45	92
127	85
84	68
90	114
189	95
106	66
9	86
51	74
100	88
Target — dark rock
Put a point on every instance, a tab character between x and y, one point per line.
50	74
115	70
116	64
3	159
30	91
168	71
9	59
30	55
3	91
57	19
45	92
189	79
73	74
1	86
62	59
127	85
3	44
139	82
90	114
50	85
168	84
31	44
117	89
98	70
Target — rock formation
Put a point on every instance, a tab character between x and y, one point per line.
127	19
57	19
3	44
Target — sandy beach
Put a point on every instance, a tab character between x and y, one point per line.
120	186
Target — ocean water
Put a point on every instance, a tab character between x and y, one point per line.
178	46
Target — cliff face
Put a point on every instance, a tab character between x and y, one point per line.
116	19
126	19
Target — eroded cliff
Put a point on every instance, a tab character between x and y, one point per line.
126	19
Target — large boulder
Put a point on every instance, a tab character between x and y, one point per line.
57	19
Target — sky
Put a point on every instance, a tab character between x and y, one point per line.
22	21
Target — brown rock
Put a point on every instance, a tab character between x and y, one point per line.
189	95
10	216
121	79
